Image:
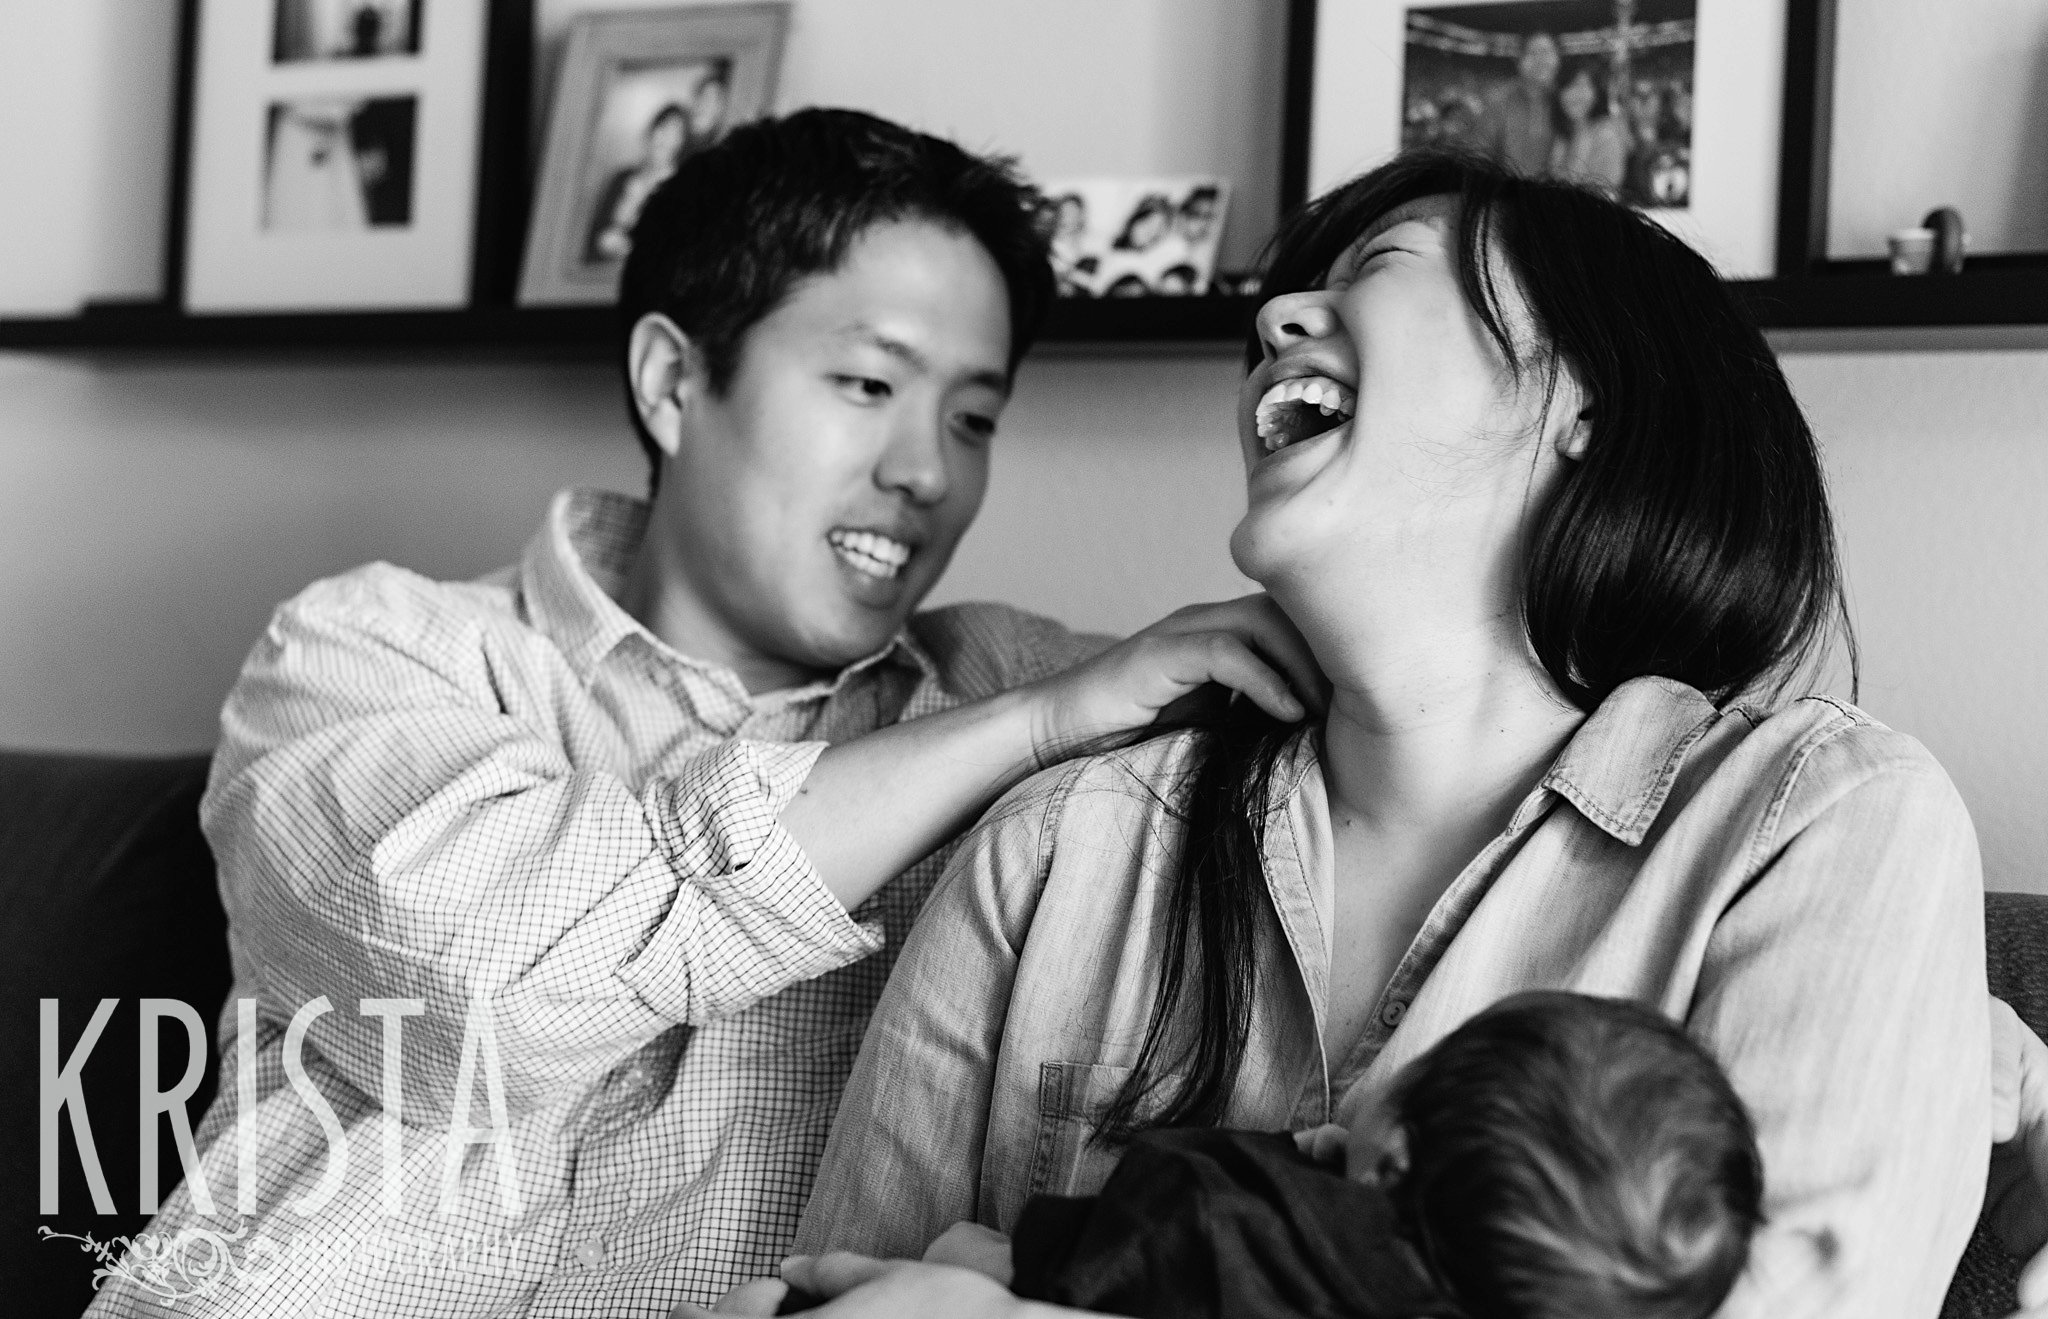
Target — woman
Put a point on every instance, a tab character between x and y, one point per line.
1592	145
1541	503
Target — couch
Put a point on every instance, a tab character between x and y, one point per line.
109	893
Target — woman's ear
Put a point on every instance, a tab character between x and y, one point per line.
1577	434
667	370
1572	417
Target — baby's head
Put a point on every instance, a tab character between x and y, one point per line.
1560	1155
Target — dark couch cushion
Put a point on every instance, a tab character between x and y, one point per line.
109	893
2016	958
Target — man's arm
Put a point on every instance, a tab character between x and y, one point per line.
872	807
385	829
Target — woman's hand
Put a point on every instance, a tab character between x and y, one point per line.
860	1287
2016	1194
1245	644
972	1246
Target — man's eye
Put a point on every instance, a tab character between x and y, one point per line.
865	389
977	427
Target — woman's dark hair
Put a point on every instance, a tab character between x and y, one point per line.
720	244
1571	1157
1692	541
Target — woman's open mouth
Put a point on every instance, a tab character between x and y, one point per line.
1300	409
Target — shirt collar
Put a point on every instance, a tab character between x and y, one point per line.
576	564
1619	768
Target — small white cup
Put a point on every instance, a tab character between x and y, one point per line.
1912	251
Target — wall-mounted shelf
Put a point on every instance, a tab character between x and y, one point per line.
1191	320
1991	291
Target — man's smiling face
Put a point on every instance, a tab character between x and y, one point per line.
811	505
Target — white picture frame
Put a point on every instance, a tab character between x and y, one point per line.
1355	115
323	177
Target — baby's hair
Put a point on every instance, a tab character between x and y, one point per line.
1577	1158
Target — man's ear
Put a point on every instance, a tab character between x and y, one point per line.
667	371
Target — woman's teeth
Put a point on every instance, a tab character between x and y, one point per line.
873	554
1297	409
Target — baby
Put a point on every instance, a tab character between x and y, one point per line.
1557	1155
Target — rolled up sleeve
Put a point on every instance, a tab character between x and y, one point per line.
384	829
752	915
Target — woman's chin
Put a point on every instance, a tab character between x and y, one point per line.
1256	549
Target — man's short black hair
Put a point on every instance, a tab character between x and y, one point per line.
720	244
1572	1157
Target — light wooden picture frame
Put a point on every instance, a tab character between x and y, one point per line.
638	91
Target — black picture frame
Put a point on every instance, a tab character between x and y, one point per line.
1809	290
1805	92
499	185
1994	293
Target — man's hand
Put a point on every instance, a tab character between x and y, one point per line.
2016	1194
1245	644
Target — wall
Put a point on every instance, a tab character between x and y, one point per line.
1932	110
153	509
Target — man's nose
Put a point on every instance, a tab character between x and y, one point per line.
1293	317
915	461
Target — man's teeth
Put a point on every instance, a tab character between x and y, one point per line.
870	552
1282	415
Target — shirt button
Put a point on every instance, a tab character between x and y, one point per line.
1392	1013
590	1254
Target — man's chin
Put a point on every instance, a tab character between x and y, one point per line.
833	645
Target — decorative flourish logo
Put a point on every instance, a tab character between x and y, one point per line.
195	1262
176	1268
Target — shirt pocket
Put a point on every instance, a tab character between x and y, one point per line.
1067	1159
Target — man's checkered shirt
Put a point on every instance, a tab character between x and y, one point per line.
511	789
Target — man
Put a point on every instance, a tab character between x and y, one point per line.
560	899
1518	128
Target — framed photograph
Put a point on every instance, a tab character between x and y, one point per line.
331	154
1674	106
638	91
1138	237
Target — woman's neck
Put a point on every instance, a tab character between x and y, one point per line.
1439	730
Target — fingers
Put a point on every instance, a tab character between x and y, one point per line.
972	1246
2008	1034
1259	623
1236	665
832	1274
1324	1144
761	1296
2033	1289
